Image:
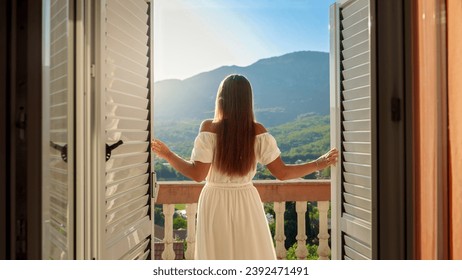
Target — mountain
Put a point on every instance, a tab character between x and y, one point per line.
284	87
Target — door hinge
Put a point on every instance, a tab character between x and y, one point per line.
154	186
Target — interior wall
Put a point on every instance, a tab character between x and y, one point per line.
454	31
430	130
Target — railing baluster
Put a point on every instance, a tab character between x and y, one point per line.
169	253
187	192
301	252
191	210
323	236
279	209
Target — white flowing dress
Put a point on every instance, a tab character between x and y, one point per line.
231	222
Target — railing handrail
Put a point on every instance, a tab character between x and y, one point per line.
184	192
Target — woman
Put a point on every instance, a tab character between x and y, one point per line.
231	223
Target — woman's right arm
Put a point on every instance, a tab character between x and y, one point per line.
283	171
194	170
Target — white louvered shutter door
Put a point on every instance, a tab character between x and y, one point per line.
125	59
58	115
354	92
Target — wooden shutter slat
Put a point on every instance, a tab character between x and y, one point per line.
360	191
349	20
360	70
121	245
356	93
357	125
357	136
355	82
361	169
360	229
357	179
355	60
357	212
128	207
355	39
358	201
126	98
356	28
127	220
360	249
353	7
357	49
357	157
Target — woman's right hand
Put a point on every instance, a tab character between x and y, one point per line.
160	148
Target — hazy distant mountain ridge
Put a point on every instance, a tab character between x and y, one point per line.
285	87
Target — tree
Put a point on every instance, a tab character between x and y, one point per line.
312	252
290	223
179	222
158	215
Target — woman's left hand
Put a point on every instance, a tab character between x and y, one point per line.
328	159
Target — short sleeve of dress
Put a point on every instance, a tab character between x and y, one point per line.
267	148
203	148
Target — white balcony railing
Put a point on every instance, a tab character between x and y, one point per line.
278	192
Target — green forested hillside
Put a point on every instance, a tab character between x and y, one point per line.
304	139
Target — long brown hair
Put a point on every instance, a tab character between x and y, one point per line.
235	152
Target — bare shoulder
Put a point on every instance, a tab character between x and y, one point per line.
260	129
207	126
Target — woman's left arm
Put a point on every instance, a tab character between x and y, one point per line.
194	170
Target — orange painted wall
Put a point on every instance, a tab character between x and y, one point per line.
430	142
454	40
437	90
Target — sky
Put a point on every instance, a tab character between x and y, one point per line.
194	36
